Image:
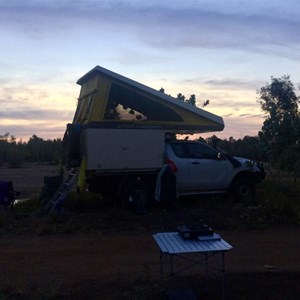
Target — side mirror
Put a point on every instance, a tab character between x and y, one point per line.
220	156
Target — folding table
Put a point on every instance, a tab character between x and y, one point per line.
172	244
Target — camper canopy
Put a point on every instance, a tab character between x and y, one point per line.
108	99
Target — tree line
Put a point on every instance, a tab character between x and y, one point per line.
36	149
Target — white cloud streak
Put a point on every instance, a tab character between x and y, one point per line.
164	24
35	114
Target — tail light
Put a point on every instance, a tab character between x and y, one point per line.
171	165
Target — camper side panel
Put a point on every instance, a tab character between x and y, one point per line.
124	150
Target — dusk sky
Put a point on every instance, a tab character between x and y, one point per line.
221	50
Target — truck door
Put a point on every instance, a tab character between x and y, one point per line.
207	171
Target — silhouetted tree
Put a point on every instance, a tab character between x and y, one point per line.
192	100
181	97
205	103
280	130
3	146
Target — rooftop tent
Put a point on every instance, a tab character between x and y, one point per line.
108	99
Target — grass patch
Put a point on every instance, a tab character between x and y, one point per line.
279	200
277	203
84	202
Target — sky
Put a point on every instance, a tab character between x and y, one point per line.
221	50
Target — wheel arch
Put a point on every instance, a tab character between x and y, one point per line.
244	174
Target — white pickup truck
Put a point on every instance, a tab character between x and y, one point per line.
201	169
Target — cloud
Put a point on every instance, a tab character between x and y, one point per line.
231	83
34	114
252	115
25	132
235	103
227	115
164	24
239	126
23	123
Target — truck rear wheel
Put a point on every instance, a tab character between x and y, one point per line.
136	197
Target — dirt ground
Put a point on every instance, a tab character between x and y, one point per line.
112	255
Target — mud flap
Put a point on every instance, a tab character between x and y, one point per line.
165	189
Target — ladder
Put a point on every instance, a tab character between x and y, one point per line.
56	202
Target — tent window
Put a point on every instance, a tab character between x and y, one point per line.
128	105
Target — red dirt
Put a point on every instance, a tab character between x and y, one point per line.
264	264
75	262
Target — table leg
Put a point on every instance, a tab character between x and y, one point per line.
161	271
223	275
206	273
161	267
171	265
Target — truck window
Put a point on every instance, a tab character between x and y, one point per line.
193	150
179	150
201	151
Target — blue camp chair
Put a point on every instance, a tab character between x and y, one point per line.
7	193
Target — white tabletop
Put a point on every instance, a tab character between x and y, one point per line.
173	243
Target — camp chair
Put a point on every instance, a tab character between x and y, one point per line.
7	193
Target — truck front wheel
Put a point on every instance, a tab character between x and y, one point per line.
136	196
244	190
